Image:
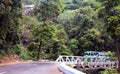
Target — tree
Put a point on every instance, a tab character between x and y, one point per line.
82	23
48	10
91	40
51	38
10	14
26	26
42	34
74	46
60	44
112	18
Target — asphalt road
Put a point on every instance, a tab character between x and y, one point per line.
30	68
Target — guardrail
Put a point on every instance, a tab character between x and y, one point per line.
69	70
84	62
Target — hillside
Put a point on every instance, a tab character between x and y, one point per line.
58	27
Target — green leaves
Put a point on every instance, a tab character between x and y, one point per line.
112	23
44	31
48	10
53	38
74	46
112	16
10	13
91	38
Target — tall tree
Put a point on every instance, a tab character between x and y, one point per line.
43	34
50	38
112	22
48	10
10	13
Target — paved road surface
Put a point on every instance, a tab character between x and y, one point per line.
30	68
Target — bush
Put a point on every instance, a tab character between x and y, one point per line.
21	52
109	71
33	50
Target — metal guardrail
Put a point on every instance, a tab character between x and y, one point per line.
84	63
68	70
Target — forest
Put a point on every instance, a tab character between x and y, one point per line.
59	27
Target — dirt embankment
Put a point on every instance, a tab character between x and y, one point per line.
9	59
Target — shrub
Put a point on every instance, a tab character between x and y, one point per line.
109	71
21	52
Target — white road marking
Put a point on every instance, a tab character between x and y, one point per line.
2	72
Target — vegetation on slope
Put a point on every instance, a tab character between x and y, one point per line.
59	27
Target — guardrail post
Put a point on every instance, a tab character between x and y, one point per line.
78	64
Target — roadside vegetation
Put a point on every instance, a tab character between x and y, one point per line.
59	27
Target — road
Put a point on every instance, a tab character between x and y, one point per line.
30	68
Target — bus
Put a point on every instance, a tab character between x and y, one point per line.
96	56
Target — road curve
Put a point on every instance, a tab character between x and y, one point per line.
30	68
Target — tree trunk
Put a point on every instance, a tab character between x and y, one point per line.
118	54
39	50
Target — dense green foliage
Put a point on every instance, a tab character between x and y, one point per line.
84	24
112	23
58	27
48	10
10	14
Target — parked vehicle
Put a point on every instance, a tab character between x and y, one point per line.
96	56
